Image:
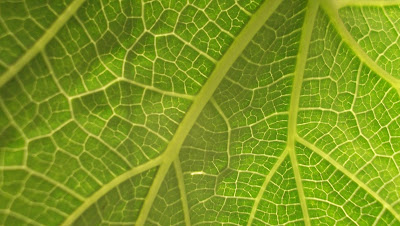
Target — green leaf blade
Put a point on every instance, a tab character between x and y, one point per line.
176	112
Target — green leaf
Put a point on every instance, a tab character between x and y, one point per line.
187	112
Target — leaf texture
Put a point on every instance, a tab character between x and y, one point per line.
190	112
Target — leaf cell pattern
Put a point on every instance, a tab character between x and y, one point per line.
190	112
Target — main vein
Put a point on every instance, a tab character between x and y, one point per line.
171	153
312	8
42	42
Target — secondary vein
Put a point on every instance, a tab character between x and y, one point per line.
264	186
353	177
182	191
311	13
108	187
344	3
332	11
42	42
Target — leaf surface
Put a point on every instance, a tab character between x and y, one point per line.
184	112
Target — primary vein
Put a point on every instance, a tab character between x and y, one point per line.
171	153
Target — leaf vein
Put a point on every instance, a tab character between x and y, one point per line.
42	42
305	39
352	177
